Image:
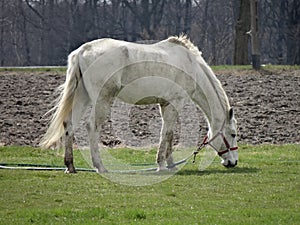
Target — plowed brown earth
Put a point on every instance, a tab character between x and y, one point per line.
267	107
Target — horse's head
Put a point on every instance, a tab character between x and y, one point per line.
225	141
228	151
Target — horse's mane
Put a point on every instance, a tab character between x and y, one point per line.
184	41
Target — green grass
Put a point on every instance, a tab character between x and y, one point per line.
223	68
248	67
231	67
263	189
54	69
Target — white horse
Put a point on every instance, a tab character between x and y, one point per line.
166	73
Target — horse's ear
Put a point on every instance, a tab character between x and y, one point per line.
231	113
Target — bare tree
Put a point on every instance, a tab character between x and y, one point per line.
2	26
148	14
293	32
255	45
187	17
241	38
43	32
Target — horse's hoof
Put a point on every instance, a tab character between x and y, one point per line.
68	171
101	170
161	169
173	168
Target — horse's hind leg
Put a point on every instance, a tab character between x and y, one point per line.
79	107
164	154
99	114
68	144
93	133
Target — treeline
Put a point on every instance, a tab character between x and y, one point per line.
44	32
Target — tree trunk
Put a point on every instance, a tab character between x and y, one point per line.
188	17
24	34
241	38
281	32
255	35
145	19
2	35
293	34
178	17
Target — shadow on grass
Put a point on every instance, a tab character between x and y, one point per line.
237	170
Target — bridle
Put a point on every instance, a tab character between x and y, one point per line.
206	142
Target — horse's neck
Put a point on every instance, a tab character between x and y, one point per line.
214	104
217	113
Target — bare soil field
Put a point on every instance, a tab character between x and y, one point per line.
267	107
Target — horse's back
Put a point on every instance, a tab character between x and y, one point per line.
164	50
90	51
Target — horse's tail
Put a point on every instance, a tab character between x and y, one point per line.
64	103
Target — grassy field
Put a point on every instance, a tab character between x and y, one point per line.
263	189
220	68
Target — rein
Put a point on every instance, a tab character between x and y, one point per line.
208	142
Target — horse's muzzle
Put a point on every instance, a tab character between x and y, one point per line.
231	164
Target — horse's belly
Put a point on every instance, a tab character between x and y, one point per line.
151	90
142	101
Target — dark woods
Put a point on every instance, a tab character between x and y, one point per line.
44	32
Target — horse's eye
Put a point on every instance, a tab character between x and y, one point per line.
233	135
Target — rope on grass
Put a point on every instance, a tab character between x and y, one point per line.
39	167
44	167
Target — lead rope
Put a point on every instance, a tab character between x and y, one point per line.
203	144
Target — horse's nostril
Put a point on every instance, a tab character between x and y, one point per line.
230	164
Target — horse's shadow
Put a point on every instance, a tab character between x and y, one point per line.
237	170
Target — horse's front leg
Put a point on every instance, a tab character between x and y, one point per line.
68	145
164	154
161	153
169	150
